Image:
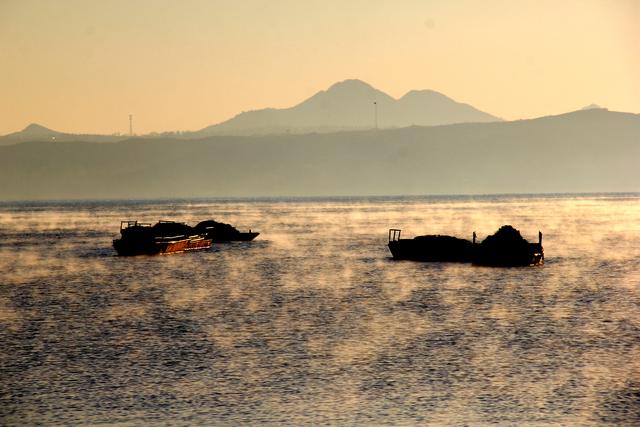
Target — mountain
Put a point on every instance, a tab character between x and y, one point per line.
32	132
584	151
592	107
349	105
36	132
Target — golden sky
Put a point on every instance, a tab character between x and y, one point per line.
84	66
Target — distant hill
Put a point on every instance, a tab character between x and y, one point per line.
349	105
585	151
33	132
592	107
36	132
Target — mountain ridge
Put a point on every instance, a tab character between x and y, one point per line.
35	129
38	132
580	152
348	105
333	106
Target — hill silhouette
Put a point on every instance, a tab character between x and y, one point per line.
585	151
37	132
33	132
348	105
35	129
592	107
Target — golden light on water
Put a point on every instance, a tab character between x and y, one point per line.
315	325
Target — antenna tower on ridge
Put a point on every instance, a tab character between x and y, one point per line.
375	114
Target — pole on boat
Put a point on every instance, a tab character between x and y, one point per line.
540	237
474	237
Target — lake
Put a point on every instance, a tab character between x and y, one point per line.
313	323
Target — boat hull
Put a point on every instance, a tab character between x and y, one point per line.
432	249
129	247
236	237
412	250
530	256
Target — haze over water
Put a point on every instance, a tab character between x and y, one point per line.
313	323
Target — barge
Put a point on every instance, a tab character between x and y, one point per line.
505	248
220	232
164	237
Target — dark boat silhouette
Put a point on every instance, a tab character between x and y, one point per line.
162	238
220	232
505	248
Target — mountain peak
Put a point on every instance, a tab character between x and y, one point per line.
36	129
341	97
352	89
593	107
350	84
424	93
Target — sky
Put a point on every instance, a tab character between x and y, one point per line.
83	66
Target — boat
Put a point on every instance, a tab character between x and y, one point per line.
505	248
164	237
220	232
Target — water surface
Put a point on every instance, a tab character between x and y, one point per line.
313	323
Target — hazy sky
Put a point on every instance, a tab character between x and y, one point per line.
83	66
